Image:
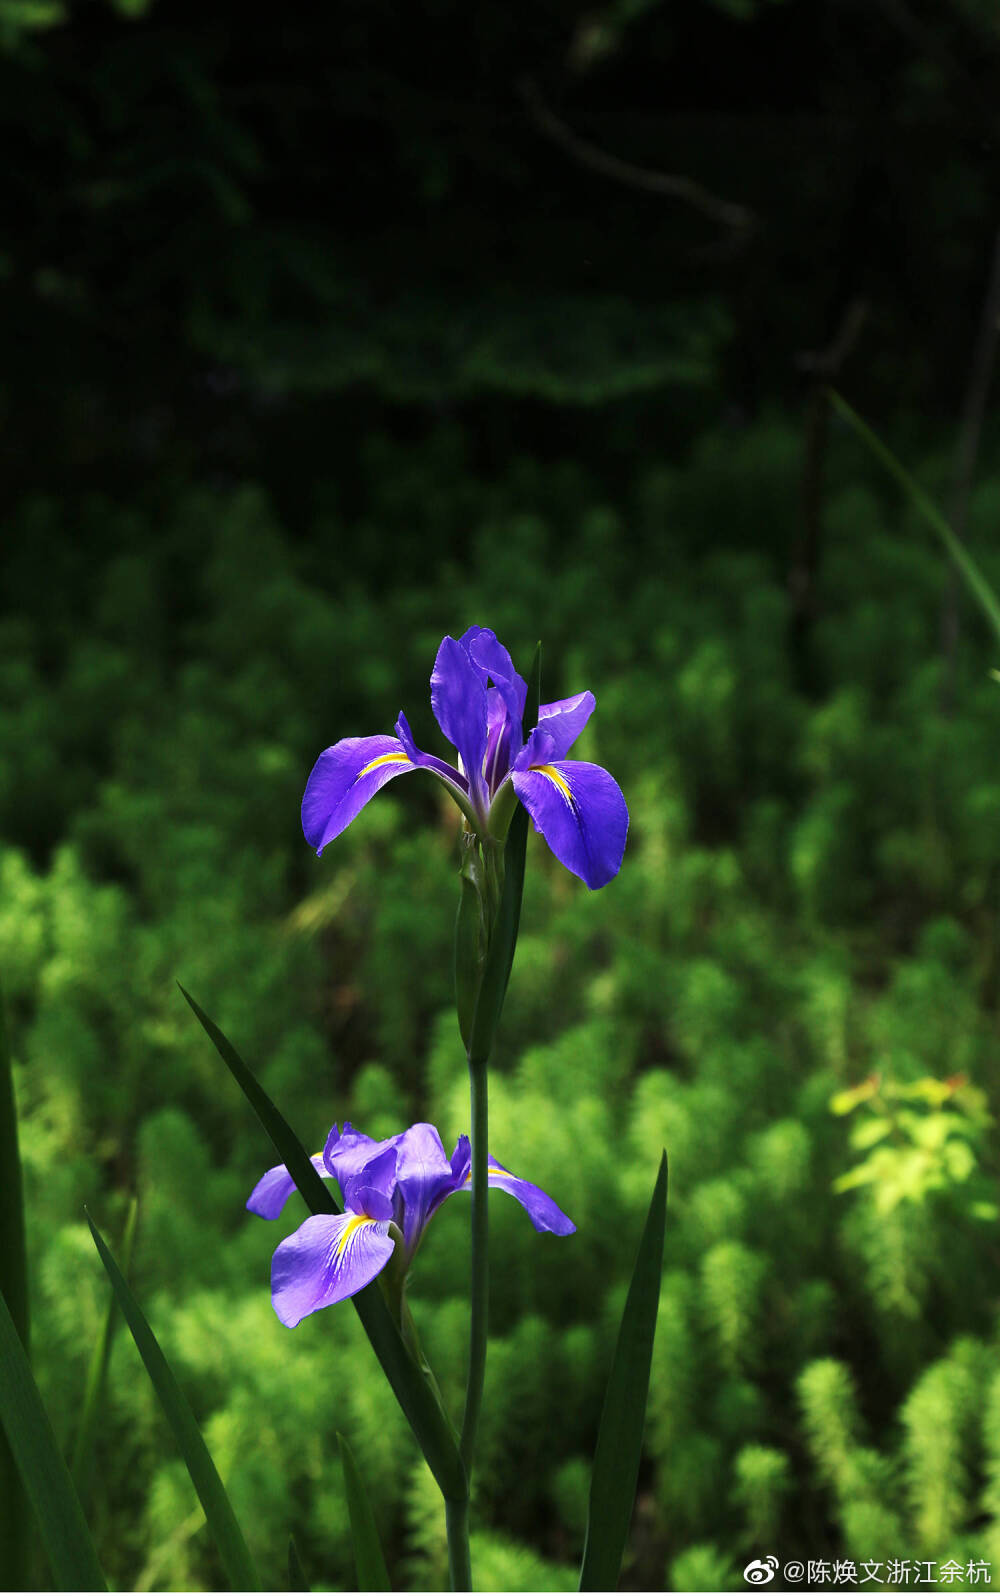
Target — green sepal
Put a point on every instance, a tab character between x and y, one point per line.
424	1412
296	1573
97	1371
368	1558
619	1438
219	1515
15	1520
503	933
974	579
65	1536
470	935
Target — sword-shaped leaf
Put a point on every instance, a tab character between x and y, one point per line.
921	501
427	1419
97	1372
219	1515
619	1439
296	1573
368	1559
47	1481
15	1521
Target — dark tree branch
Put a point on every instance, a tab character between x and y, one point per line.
737	217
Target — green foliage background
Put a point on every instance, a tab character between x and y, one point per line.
319	345
808	896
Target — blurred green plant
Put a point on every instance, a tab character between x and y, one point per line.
921	1137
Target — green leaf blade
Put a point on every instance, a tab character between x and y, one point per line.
424	1413
924	504
15	1521
619	1439
219	1516
65	1536
296	1573
97	1372
368	1558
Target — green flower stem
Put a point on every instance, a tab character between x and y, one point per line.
480	1282
456	1512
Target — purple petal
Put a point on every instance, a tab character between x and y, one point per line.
347	1152
579	810
542	1211
440	767
273	1190
564	720
424	1178
330	1257
370	1191
458	699
493	660
343	779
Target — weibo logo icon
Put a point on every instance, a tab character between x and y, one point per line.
761	1571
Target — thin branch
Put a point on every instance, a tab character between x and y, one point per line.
729	214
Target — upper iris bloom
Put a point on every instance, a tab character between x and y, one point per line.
578	808
391	1189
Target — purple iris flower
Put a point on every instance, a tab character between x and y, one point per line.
478	701
391	1189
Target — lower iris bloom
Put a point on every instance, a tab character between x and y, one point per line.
478	700
390	1189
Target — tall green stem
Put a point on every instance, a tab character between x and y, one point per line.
456	1513
480	1282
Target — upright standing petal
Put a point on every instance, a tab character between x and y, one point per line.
424	1178
493	660
458	699
330	1257
578	808
342	781
348	1151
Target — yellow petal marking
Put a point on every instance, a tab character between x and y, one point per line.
354	1223
488	1173
382	759
556	779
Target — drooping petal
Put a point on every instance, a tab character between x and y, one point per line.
579	810
330	1257
424	1178
564	720
342	781
458	699
273	1190
541	1210
348	1151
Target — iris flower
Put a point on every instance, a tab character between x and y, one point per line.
390	1189
478	701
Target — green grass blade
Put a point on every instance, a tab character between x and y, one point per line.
427	1419
619	1439
47	1481
924	504
15	1520
97	1372
296	1573
500	955
368	1559
219	1515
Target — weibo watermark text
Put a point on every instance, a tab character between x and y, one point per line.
872	1571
